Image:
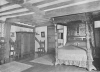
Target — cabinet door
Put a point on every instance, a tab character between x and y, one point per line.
25	43
32	43
26	48
18	43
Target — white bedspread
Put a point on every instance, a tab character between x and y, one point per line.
72	53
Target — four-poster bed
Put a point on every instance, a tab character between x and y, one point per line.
77	50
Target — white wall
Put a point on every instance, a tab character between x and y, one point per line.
39	30
13	29
97	24
65	34
62	29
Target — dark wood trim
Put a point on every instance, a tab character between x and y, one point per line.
5	5
11	9
22	25
19	13
88	7
28	26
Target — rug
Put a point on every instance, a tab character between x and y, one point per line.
14	67
46	60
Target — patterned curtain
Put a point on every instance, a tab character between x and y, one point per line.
91	32
91	28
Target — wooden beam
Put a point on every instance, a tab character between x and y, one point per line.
88	7
25	26
63	3
34	4
5	5
14	20
19	13
11	10
44	24
67	18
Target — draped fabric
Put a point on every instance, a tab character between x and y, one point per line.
91	28
91	32
90	38
92	44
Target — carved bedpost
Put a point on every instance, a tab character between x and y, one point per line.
88	46
56	44
89	50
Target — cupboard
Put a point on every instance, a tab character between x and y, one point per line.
25	43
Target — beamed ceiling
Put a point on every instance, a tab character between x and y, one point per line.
40	12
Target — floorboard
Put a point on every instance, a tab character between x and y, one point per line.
59	68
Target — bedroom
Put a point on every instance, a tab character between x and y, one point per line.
23	15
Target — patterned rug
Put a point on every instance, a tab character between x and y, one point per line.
14	67
46	60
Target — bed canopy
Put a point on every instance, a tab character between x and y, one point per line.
72	21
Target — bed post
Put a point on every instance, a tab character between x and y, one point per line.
56	44
89	51
88	46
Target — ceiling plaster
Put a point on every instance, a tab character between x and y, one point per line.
52	8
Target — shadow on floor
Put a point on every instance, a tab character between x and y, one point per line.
97	63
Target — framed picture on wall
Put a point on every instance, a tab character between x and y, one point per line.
12	34
42	34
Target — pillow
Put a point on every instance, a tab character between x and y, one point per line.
82	44
76	43
71	43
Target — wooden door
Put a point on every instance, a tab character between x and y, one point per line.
50	39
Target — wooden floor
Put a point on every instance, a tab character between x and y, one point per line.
47	68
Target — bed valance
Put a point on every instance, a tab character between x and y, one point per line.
69	18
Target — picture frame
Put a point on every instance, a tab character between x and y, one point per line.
42	34
12	34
